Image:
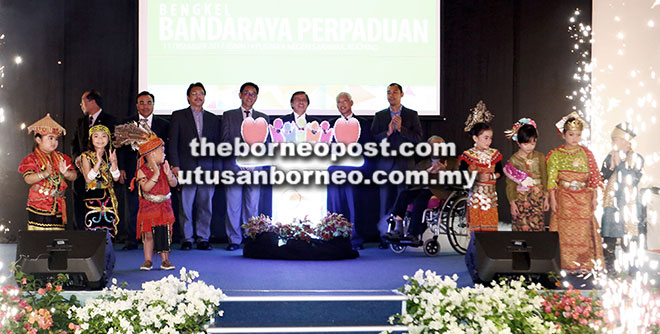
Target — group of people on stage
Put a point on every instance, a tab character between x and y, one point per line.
151	178
565	181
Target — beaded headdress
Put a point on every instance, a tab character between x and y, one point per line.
46	126
100	128
513	132
576	124
478	114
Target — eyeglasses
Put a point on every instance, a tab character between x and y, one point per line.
300	100
197	92
147	103
250	94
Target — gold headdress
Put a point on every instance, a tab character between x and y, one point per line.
46	126
625	131
576	124
478	114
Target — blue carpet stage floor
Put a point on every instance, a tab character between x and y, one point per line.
272	295
330	294
375	269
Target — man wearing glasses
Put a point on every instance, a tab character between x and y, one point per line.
185	125
242	200
128	160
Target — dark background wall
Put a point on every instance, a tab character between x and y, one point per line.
512	54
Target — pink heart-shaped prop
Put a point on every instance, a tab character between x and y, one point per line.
254	131
347	131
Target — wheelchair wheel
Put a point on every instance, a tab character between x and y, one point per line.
398	249
431	247
458	231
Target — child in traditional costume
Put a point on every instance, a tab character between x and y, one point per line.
486	161
99	167
622	205
573	180
46	171
155	216
526	179
482	198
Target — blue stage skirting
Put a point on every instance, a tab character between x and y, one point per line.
269	245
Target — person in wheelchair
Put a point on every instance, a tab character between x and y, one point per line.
418	196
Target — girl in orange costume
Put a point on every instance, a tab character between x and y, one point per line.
482	199
486	161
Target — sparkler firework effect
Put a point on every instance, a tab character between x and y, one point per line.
615	85
580	33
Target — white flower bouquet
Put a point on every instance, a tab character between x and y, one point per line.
170	305
436	305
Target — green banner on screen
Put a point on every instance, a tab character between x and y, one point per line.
323	48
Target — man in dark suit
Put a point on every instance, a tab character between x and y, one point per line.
242	200
128	162
342	198
185	125
91	104
396	124
299	104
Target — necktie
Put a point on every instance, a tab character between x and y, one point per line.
144	121
91	121
247	113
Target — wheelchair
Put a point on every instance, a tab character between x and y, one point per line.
442	216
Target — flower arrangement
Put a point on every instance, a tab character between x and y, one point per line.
573	312
436	305
333	225
170	305
35	308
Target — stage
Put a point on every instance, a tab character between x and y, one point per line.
266	296
357	293
374	270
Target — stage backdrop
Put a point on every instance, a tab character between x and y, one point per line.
514	55
322	48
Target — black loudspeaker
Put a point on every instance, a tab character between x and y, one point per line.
511	254
80	254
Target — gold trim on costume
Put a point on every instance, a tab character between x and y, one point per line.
156	198
573	185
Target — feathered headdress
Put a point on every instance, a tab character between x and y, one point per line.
478	114
577	123
141	139
139	136
513	132
46	126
